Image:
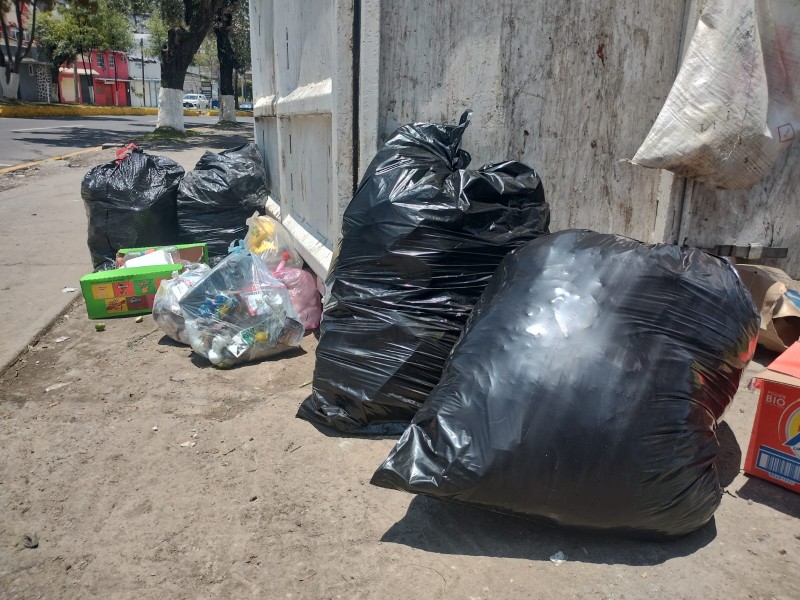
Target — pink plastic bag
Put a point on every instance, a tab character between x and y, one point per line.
303	294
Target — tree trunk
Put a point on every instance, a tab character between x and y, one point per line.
75	80
87	72
170	109
10	64
9	88
227	109
176	56
227	61
116	84
5	64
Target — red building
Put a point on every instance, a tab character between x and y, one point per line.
106	75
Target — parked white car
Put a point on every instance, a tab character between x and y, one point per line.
195	101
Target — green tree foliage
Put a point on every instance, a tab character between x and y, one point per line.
158	29
240	35
206	56
82	26
24	12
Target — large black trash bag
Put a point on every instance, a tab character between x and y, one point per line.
420	241
219	195
130	203
587	387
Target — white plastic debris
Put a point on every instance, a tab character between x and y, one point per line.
69	290
558	558
56	386
63	338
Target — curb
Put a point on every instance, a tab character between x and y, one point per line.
65	110
69	110
44	160
33	339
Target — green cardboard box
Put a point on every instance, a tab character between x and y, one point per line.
122	292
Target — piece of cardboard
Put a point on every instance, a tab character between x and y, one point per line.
156	257
777	298
123	292
788	363
774	450
193	253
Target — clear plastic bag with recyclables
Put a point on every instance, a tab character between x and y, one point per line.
166	305
240	312
269	240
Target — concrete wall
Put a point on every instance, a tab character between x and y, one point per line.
570	88
767	214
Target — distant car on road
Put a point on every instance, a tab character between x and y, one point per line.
246	106
195	101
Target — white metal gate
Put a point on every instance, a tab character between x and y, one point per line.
303	89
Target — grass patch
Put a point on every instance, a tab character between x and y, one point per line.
165	133
228	125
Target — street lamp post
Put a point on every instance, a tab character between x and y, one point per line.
144	91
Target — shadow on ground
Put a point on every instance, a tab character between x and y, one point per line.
86	137
201	362
772	495
729	459
217	140
438	526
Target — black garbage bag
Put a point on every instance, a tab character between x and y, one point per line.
420	241
587	388
130	203
219	195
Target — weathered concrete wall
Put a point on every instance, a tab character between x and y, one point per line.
570	88
767	214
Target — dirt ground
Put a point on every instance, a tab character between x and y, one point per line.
260	504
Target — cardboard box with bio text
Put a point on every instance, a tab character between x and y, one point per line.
774	451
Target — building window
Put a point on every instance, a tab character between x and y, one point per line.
101	62
112	62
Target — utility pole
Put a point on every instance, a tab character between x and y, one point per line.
144	90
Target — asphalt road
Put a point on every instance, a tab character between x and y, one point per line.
25	140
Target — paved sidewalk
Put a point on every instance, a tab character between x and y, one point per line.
43	237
